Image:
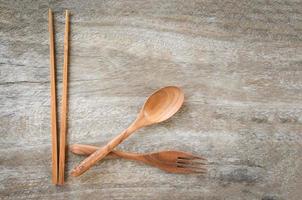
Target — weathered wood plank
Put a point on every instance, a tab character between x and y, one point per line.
239	63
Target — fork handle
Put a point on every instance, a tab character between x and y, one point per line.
86	150
83	149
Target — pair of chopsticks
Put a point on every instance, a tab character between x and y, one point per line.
58	164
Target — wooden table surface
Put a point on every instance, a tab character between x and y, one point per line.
238	62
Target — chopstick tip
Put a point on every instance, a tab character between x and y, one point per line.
49	12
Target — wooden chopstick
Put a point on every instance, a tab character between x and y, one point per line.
63	127
54	139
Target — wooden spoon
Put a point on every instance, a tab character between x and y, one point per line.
160	106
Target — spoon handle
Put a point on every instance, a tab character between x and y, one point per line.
86	150
102	152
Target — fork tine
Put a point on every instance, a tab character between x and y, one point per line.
185	165
192	157
193	167
192	162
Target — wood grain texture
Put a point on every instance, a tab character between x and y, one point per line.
53	101
159	107
169	161
64	111
238	62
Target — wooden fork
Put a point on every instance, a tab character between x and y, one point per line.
169	161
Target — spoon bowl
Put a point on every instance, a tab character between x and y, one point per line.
162	104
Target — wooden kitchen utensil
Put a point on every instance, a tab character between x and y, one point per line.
54	139
63	127
170	161
160	106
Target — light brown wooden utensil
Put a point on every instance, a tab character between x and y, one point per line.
63	128
169	161
54	139
160	106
